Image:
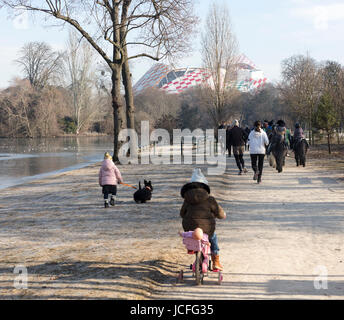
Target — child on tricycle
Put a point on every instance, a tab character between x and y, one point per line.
199	212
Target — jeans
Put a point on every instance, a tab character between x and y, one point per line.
214	245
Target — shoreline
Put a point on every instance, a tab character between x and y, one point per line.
90	134
42	176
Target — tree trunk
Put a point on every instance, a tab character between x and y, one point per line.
329	143
117	109
116	83
129	97
127	82
310	130
129	100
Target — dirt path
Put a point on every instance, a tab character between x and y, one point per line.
278	237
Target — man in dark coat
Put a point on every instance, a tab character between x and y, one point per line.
200	210
237	137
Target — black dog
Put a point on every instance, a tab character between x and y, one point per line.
144	194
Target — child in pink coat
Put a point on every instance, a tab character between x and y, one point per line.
109	177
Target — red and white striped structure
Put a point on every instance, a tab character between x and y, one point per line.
177	80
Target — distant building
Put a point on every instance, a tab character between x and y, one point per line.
175	81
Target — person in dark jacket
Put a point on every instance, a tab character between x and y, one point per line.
280	129
237	137
200	210
298	133
269	129
298	136
278	146
247	133
228	141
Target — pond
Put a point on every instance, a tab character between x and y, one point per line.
23	160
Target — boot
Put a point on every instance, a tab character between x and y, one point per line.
106	204
216	262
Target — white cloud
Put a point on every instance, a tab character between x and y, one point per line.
321	15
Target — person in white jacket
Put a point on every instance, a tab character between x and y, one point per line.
258	141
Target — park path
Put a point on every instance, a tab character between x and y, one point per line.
277	238
281	238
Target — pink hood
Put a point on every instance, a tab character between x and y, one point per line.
109	174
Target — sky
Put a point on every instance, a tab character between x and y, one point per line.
267	31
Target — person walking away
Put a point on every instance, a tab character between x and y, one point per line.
278	130
269	129
258	141
283	130
237	138
222	125
109	176
228	141
200	210
247	133
298	135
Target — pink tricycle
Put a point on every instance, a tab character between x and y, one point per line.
201	249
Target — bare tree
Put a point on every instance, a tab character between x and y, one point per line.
264	104
219	53
26	112
332	75
39	63
80	76
301	87
156	104
159	29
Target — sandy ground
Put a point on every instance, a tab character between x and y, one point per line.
278	238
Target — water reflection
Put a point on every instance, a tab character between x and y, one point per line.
26	159
67	144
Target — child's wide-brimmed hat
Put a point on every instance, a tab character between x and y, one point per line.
198	176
